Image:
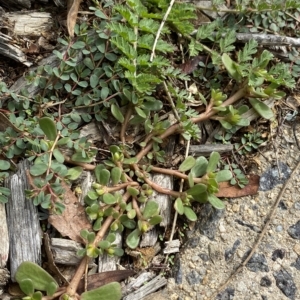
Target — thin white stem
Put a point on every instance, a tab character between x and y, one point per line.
160	29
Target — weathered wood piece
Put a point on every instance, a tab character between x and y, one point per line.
206	150
4	241
110	263
268	39
165	205
4	278
135	283
29	23
65	251
12	51
148	288
22	24
172	247
23	222
15	4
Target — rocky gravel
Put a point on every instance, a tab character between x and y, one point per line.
221	240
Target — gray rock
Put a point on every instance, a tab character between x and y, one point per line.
204	256
296	264
271	177
264	297
177	271
285	283
282	205
294	231
229	253
297	205
228	294
193	277
193	242
208	220
265	281
278	253
257	263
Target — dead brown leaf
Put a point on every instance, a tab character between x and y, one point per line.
192	64
73	7
96	280
233	191
73	219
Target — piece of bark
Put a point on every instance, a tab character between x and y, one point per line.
65	252
206	150
12	51
165	207
172	247
137	282
29	23
4	241
148	288
16	4
107	262
4	278
73	219
23	222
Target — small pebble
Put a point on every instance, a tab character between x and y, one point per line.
297	205
297	249
279	228
235	207
222	228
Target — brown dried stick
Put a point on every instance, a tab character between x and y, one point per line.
260	237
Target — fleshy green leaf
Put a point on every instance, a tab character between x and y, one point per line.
199	169
197	189
133	239
104	176
116	112
178	205
231	66
26	285
213	162
187	164
191	179
111	291
190	214
38	169
132	191
261	108
215	201
115	174
49	128
40	278
74	173
151	209
79	158
51	288
111	237
109	198
4	165
155	220
104	244
58	155
131	214
223	175
37	296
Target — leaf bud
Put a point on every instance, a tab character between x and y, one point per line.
110	251
100	192
96	185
